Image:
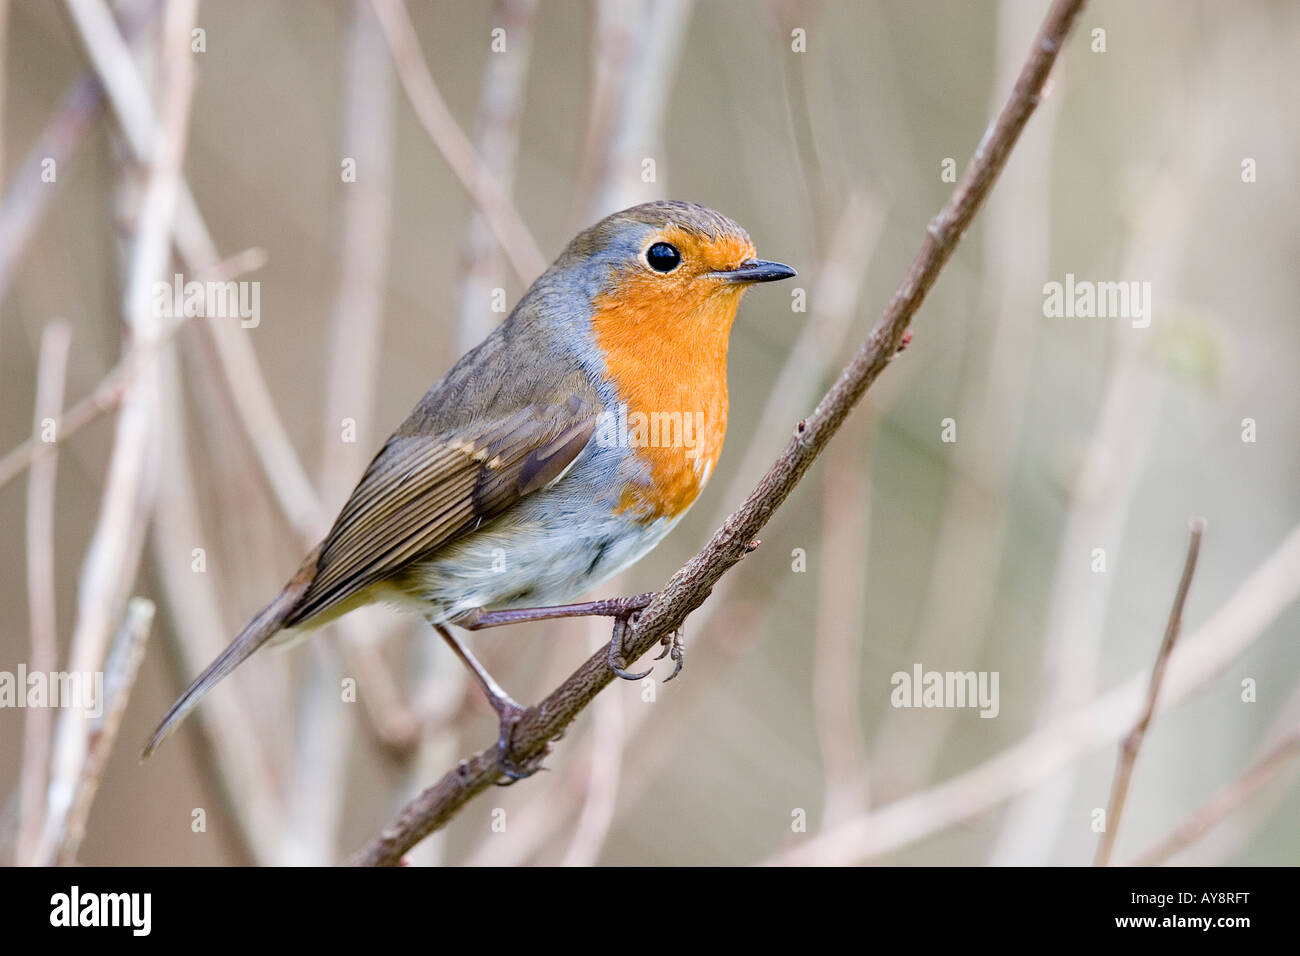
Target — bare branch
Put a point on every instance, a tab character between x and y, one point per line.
431	110
500	108
1000	346
1211	813
119	678
636	47
28	198
129	100
113	556
691	585
323	729
112	388
1133	742
1107	476
50	376
604	770
841	622
1256	603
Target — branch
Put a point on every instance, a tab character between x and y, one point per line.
50	375
120	670
113	555
129	99
323	730
436	118
1211	813
113	387
28	197
839	622
496	138
955	618
1133	742
691	585
1248	612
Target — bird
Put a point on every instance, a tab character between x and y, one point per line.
552	456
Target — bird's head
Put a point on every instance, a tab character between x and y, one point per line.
679	266
664	280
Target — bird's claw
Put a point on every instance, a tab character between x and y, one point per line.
614	657
675	649
514	770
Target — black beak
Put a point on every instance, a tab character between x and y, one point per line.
758	270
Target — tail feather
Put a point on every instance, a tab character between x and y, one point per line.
259	630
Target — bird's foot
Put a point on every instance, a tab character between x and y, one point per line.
673	648
614	656
509	714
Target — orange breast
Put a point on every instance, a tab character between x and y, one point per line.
665	347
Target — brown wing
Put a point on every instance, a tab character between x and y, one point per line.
422	491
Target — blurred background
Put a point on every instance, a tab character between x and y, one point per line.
380	169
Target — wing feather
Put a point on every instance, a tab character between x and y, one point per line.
422	492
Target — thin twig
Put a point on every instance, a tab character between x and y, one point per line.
50	376
133	109
29	196
691	585
496	136
1230	840
432	112
244	382
112	388
638	43
113	556
1200	657
358	321
1211	813
961	589
1133	742
840	622
119	678
1105	483
241	752
323	729
604	771
248	391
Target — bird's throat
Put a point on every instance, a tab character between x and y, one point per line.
667	358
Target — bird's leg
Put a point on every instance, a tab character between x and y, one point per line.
480	618
508	711
622	610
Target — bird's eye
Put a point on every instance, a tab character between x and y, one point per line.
663	257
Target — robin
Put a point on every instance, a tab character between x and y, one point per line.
551	457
